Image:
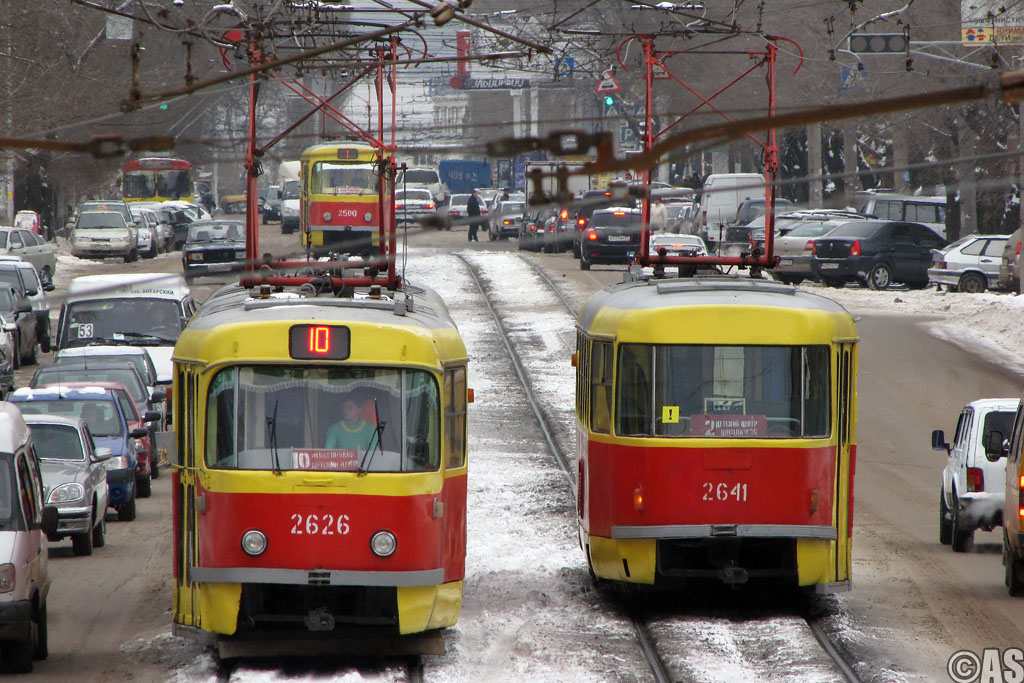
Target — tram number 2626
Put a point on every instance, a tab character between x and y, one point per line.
322	525
722	491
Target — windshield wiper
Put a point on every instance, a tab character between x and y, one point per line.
143	335
272	437
371	449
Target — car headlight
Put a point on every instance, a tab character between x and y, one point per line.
7	577
66	493
194	256
290	211
121	462
383	543
254	542
240	254
80	238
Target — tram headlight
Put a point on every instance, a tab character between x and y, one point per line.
254	542
367	216
383	543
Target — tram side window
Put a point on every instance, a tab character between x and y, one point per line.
633	410
455	417
601	364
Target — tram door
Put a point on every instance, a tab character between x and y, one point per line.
846	412
186	604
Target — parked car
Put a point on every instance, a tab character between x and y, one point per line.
612	236
412	205
24	568
213	247
30	247
972	485
135	356
74	479
24	277
929	211
1009	445
104	234
794	250
532	228
103	415
875	253
118	205
20	321
749	209
271	204
423	179
1009	264
506	223
971	264
559	231
6	364
29	220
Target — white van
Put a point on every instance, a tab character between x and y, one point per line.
423	179
930	211
24	522
720	196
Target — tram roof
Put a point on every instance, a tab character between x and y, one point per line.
330	148
646	295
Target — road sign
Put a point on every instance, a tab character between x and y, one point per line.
565	66
607	83
659	72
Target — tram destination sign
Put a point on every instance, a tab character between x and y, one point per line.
318	342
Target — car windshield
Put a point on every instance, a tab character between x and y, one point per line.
121	319
332	177
709	391
117	207
314	418
291	190
100	219
56	374
615	218
421	176
57	442
857	229
11	277
135	359
215	232
99	414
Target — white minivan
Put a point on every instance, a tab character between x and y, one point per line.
721	194
24	523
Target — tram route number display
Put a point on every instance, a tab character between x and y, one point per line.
325	459
723	492
324	524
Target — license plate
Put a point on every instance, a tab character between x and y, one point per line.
618	238
829	266
786	262
220	268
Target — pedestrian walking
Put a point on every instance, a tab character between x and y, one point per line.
473	211
659	215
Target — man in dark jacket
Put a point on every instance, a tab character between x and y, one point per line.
473	211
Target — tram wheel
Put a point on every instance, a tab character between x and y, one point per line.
962	538
945	523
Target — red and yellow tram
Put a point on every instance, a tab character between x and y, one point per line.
715	433
321	477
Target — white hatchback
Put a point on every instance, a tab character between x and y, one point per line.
973	490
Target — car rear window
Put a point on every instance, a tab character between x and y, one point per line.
613	219
857	229
999	421
56	374
427	177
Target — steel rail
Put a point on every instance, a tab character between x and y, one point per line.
833	652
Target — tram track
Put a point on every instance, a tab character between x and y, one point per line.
661	668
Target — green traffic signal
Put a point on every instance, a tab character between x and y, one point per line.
609	100
163	106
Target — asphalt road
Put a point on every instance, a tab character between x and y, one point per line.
914	601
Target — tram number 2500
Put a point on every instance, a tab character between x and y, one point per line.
723	492
322	525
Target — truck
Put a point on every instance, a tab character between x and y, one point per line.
462	176
577	184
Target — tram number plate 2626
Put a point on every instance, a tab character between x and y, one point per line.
724	492
324	524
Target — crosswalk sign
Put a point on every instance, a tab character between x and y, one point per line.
607	83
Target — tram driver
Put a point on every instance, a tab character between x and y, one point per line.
351	431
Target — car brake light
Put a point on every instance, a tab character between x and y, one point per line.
975	480
591	235
607	194
619	213
581	221
506	222
565	214
399	206
428	206
814	248
855	248
809	246
1018	247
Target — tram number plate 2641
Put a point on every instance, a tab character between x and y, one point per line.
324	524
724	492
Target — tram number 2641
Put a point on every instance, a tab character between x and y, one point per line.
722	491
323	525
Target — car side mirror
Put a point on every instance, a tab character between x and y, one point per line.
31	292
139	433
939	441
995	446
158	395
151	416
48	525
102	453
48	287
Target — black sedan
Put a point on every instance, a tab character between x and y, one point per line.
876	254
20	322
612	236
213	247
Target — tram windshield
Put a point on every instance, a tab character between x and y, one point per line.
331	419
331	177
701	391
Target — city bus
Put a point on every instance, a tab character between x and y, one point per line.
157	179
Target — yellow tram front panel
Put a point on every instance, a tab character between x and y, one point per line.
320	509
340	195
676	452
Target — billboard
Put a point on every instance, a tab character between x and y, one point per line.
991	22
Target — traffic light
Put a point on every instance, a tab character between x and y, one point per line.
878	43
609	100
